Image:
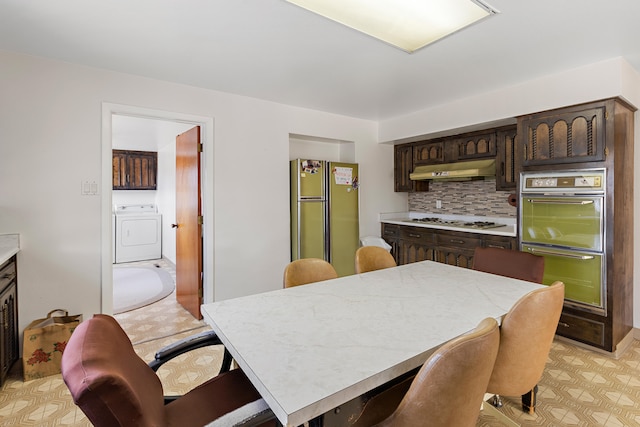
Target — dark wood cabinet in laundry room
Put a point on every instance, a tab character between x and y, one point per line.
135	170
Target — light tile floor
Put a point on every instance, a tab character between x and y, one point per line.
579	387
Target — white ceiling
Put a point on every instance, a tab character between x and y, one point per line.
273	50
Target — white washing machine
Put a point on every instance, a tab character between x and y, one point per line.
138	231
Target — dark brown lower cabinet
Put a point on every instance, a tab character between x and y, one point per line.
412	244
9	345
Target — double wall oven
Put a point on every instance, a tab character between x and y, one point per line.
562	219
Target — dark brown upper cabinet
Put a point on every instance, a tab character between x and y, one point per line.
506	168
403	167
476	146
567	135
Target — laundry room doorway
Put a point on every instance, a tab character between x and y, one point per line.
146	131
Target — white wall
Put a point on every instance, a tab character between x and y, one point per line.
589	83
606	79
50	141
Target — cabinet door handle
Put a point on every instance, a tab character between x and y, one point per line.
566	325
174	225
496	246
460	242
415	235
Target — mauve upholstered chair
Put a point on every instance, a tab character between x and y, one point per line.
114	387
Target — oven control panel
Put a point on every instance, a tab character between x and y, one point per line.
570	181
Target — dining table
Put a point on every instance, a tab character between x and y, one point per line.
311	348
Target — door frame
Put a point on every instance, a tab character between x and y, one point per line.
206	138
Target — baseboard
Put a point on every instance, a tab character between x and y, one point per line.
621	348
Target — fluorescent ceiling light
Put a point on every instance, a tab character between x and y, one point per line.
407	24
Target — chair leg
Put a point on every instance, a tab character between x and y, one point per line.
496	401
529	401
226	361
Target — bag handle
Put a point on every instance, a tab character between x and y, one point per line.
66	313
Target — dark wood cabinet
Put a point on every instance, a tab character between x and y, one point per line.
413	244
506	168
568	135
403	167
504	242
456	248
495	143
134	170
593	135
476	146
9	350
391	234
581	329
429	153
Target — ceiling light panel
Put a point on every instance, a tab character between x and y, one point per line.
407	24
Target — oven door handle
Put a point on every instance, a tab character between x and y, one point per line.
560	254
561	202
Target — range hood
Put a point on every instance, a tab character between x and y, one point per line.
459	171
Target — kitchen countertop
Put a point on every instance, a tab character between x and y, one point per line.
9	246
405	218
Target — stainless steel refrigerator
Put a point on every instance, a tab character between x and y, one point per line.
324	212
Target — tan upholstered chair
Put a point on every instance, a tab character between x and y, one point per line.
506	262
307	270
114	387
447	390
517	265
526	335
370	258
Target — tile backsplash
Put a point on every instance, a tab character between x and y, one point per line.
463	198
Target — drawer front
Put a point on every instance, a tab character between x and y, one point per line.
458	240
419	234
503	242
390	231
580	329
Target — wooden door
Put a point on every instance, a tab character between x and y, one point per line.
188	222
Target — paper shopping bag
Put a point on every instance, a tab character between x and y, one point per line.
44	342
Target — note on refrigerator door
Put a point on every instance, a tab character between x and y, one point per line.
343	176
